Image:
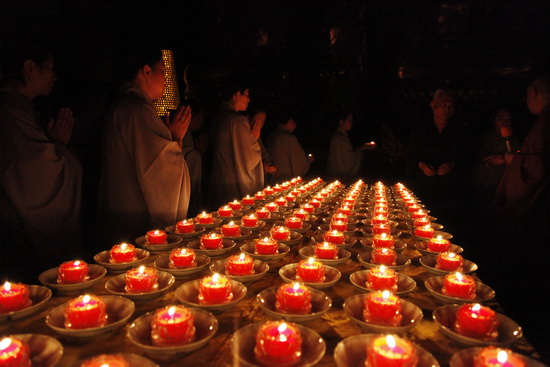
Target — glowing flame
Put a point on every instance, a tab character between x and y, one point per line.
281	329
231	223
390	340
439	237
76	263
7	286
459	276
171	311
141	269
386	294
296	286
215	277
86	299
382	269
451	255
384	235
241	257
502	356
4	343
311	260
476	307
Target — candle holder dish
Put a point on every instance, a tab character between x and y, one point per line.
49	279
422	247
39	296
133	360
216	222
355	305
435	226
188	294
173	240
368	222
508	330
320	304
243	233
273	217
139	334
398	245
309	251
260	269
161	263
295	238
365	260
103	259
244	341
259	227
44	350
228	245
367	232
351	221
434	285
349	231
332	275
349	240
465	358
118	309
405	285
429	262
352	352
235	215
306	226
117	286
443	235
249	247
199	229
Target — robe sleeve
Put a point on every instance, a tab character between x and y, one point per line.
247	157
343	159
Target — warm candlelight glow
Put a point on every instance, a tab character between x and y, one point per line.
476	308
382	269
502	357
141	269
458	276
5	343
296	286
386	294
311	260
7	286
86	299
281	329
215	277
171	311
390	340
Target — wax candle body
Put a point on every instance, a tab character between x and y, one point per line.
269	191
211	241
422	222
247	200
459	285
293	298
231	230
263	213
338	225
182	257
383	256
225	211
72	272
205	218
85	312
310	271
235	205
250	220
449	261
238	265
280	201
383	240
123	253
259	195
302	214
293	222
308	208
14	353
271	206
476	321
439	244
185	226
109	360
379	219
335	237
326	250
172	325
156	237
383	353
266	246
278	344
142	279
215	289
280	233
426	231
13	297
383	308
381	228
498	357
381	279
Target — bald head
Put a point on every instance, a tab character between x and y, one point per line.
538	94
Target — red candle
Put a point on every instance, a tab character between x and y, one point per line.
238	265
14	353
422	222
379	219
123	253
280	233
380	210
269	191
449	261
498	357
182	257
316	203
382	279
85	312
231	230
248	200
390	351
156	237
263	213
293	298
344	209
278	343
280	201
110	360
381	228
205	218
335	237
339	217
225	211
259	195
418	214
250	220
293	222
172	325
215	289
185	226
476	321
383	256
338	226
272	206
426	231
266	246
211	241
285	185
326	250
13	297
383	240
459	285
235	205
142	279
290	198
302	214
75	271
277	188
310	270
439	244
309	208
413	208
383	308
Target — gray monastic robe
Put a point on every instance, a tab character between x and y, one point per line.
237	169
145	181
193	159
287	154
343	160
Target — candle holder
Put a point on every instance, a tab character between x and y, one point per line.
444	235
117	286
349	240
422	247
355	305
429	262
261	224
49	279
465	358
405	285
118	309
244	233
39	296
172	242
188	294
44	350
260	269
199	229
306	226
349	229
434	285
103	257
227	244
508	330
332	275
320	304
368	231
365	260
162	264
249	249
309	251
398	245
295	238
132	359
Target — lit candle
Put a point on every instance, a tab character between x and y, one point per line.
280	201
338	225
272	206
326	250
263	212
266	246
290	197
142	279
231	229
248	200
250	220
382	279
123	253
156	237
269	191
390	351
301	213
459	285
383	256
383	240
335	237
211	241
13	297
308	208
310	270
259	195
293	222
426	231
85	312
182	257
238	265
379	219
293	299
413	208
75	271
419	214
106	360
476	321
316	203
235	205
185	226
14	353
278	343
215	289
421	222
277	188
339	217
439	244
285	185
498	357
383	308
225	211
280	233
205	218
449	261
381	228
345	209
172	325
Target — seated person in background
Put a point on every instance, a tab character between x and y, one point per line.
257	121
287	152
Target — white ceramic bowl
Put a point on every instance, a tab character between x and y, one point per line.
249	247
435	284
429	262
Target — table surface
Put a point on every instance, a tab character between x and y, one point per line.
333	326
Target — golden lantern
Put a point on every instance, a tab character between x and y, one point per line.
170	99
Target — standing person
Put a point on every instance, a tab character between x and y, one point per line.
41	179
287	152
237	168
257	121
145	181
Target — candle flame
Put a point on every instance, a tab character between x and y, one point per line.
7	286
502	357
311	260
141	269
171	311
203	213
76	263
4	343
123	246
476	307
390	340
459	276
156	232
439	237
86	299
386	294
382	269
215	277
281	329
296	286
384	235
334	232
231	223
451	255
241	257
225	207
